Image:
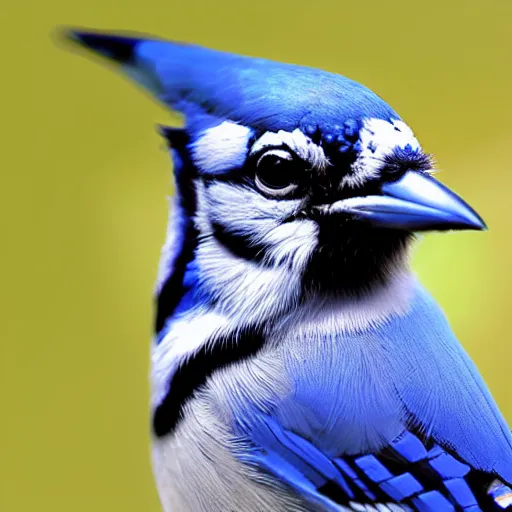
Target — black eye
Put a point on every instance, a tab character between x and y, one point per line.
277	173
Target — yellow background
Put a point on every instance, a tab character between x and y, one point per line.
83	210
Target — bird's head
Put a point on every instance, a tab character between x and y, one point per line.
286	167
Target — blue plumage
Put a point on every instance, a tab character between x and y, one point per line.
297	363
260	93
439	443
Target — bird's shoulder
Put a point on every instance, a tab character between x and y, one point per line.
392	414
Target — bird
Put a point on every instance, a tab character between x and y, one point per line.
298	363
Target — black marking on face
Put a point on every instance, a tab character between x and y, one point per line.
239	245
193	373
172	289
351	258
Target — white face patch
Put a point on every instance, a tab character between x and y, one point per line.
378	140
246	291
186	337
297	142
221	148
261	221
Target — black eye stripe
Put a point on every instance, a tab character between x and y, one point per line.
239	245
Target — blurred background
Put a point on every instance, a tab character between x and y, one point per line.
84	180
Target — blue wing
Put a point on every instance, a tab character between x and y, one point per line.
451	451
412	471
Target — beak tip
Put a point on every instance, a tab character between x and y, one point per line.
443	210
473	221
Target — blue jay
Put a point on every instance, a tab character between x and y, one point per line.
298	365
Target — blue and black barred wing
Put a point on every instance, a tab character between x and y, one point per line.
412	474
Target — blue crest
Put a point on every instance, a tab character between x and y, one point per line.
260	93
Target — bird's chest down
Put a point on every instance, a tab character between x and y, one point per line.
335	390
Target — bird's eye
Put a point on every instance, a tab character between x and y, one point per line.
277	174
